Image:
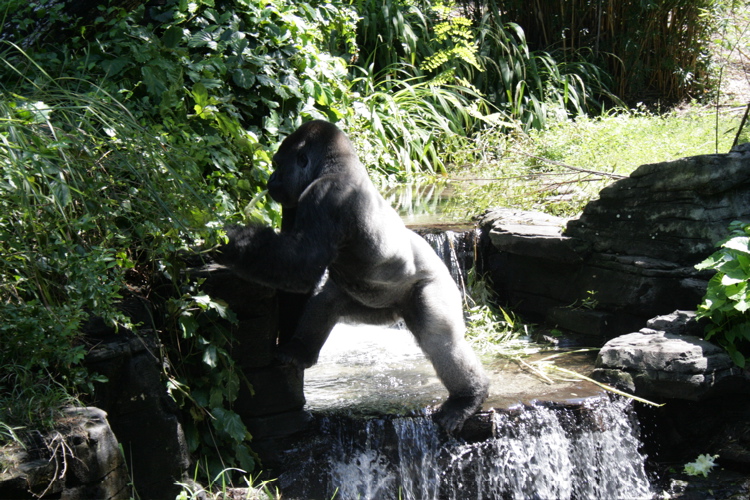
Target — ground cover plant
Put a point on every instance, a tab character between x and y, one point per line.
130	137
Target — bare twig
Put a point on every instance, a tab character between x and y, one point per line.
571	167
57	444
742	125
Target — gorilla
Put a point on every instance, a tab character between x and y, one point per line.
350	250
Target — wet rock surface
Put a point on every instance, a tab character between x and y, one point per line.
706	409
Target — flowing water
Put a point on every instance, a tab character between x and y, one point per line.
371	394
588	451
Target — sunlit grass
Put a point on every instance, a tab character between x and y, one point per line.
620	142
533	171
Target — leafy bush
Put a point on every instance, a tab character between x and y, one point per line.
727	298
104	184
81	183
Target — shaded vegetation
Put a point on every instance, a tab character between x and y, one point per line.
649	48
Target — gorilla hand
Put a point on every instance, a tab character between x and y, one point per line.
456	409
240	240
295	353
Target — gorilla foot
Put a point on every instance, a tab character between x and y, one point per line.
453	413
295	353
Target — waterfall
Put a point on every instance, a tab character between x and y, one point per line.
585	451
457	251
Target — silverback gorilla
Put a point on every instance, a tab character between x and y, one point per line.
378	270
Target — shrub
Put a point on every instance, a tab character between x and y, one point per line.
727	298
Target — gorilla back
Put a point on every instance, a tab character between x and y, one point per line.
378	270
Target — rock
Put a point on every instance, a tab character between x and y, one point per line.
143	416
674	211
81	459
657	364
633	250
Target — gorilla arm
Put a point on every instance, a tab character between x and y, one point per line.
292	261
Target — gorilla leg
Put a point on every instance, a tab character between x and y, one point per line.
323	310
436	320
291	305
320	315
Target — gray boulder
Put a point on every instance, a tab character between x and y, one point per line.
632	251
666	364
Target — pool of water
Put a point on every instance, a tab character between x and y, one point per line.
375	369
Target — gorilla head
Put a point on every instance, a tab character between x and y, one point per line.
312	151
378	270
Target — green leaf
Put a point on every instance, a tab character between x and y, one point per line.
61	192
188	325
200	94
243	78
172	36
217	397
230	423
738	358
245	457
738	243
210	356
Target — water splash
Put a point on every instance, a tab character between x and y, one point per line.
589	451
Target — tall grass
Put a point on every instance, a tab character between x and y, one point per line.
528	85
484	61
415	123
649	48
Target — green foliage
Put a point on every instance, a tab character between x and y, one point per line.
532	170
417	123
205	381
529	85
727	298
405	40
453	40
85	196
490	328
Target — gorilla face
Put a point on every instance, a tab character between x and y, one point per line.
291	175
315	149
